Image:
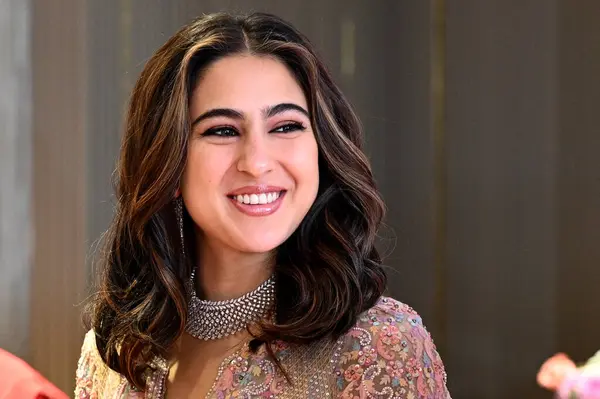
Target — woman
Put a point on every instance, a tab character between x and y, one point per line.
242	260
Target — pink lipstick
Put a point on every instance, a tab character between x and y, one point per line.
260	200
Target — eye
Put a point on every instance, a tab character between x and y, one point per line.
289	128
222	131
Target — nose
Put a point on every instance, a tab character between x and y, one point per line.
255	156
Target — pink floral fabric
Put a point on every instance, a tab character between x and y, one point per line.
390	354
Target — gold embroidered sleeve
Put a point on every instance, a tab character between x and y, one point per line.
390	354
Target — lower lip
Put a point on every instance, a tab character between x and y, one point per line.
259	209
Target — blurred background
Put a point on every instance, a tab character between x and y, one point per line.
482	122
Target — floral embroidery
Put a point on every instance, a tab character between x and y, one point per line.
402	358
250	376
84	377
367	356
394	376
353	373
390	334
387	354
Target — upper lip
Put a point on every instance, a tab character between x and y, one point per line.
258	189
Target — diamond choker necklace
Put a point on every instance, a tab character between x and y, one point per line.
208	320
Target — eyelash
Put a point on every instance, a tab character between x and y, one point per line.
287	128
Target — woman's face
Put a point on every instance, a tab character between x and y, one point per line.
252	169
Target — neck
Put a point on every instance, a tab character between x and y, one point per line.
224	274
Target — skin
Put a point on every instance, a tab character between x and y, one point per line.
261	143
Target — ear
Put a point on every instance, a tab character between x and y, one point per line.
177	193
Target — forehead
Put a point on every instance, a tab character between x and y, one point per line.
245	82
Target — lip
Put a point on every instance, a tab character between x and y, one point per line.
258	189
258	209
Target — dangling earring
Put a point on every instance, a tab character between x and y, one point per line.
179	213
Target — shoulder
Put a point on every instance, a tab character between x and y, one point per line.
94	379
91	370
390	353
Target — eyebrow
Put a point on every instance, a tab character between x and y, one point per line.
267	112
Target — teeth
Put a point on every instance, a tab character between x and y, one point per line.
255	199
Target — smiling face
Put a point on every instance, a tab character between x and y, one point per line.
252	170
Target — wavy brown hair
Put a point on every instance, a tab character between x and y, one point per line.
328	271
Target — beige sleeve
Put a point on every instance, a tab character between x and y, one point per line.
91	373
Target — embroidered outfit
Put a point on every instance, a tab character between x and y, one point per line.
387	354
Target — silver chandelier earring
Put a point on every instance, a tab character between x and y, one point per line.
179	213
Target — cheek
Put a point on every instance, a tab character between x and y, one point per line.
303	159
204	169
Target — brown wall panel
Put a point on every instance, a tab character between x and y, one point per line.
501	113
578	306
59	94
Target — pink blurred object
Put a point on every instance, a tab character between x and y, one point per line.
580	386
561	375
18	380
555	371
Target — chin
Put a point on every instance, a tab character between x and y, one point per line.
258	247
260	243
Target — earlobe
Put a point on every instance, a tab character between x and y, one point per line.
177	193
